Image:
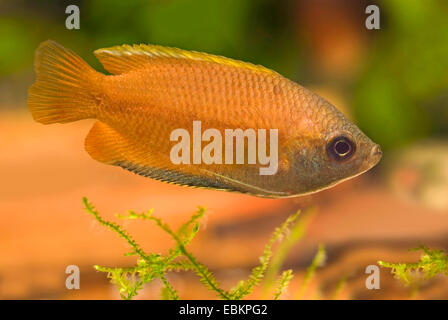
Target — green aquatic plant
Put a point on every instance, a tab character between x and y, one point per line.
297	233
283	283
151	266
342	282
318	261
432	263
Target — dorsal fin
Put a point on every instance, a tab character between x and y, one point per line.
121	59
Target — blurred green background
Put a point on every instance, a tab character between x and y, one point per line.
394	80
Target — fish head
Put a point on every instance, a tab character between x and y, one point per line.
329	149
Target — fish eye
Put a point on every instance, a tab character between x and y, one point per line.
341	148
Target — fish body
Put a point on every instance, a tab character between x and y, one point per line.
156	90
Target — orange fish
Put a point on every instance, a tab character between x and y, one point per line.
158	96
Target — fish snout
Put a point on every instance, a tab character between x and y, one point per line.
376	153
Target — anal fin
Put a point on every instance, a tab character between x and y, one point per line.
105	144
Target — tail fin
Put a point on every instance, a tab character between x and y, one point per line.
64	88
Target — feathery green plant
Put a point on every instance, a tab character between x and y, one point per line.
318	261
283	283
295	235
339	287
151	266
432	263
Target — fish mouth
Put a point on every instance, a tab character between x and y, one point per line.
375	155
371	160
